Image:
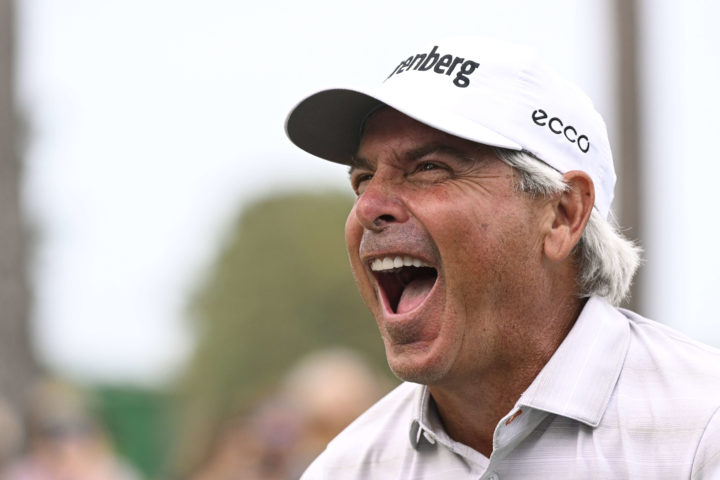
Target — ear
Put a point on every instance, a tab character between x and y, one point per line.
571	211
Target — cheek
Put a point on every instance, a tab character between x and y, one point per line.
460	227
480	242
353	237
353	233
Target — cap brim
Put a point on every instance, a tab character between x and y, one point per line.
329	123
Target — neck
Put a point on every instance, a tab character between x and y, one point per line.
471	409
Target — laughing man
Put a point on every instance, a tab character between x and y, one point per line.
481	243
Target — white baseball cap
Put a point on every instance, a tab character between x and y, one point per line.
482	90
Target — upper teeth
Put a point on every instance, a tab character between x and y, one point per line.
388	263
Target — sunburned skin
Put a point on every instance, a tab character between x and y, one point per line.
451	205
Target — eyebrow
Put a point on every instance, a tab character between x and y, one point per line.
361	163
358	163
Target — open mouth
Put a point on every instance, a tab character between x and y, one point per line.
405	282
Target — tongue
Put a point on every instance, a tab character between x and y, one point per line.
414	293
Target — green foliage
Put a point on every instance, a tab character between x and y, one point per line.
140	422
281	288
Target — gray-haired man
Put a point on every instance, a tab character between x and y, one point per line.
481	243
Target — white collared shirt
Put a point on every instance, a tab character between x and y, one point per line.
622	397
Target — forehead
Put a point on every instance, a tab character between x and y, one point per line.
389	125
388	132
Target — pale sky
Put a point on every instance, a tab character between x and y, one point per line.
152	122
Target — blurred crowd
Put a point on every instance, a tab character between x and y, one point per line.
279	438
62	438
59	438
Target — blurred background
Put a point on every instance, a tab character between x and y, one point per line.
175	297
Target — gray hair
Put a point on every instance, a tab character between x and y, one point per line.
606	260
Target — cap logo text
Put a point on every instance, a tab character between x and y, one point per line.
439	64
556	126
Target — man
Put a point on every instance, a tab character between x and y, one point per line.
480	242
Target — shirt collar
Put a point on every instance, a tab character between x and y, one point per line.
579	378
577	381
426	426
423	419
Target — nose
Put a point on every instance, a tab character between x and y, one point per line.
380	205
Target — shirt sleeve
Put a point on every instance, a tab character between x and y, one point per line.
706	464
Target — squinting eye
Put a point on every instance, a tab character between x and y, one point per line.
430	167
360	181
430	171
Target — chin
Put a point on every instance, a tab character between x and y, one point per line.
412	367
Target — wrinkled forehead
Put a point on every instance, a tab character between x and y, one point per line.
387	127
